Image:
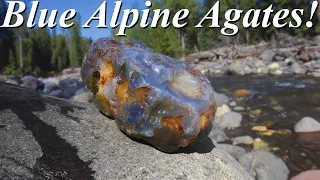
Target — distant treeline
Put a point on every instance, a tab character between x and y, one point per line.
181	42
44	52
40	51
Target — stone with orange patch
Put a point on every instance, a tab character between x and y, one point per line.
151	96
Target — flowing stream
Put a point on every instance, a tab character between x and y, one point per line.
278	102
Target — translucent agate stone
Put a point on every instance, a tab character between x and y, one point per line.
151	96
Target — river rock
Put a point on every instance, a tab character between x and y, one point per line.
297	69
229	120
44	137
268	55
70	85
222	110
307	124
151	96
236	68
221	99
32	82
273	66
235	151
49	87
264	166
239	108
242	140
217	135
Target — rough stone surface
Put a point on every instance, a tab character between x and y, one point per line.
229	120
151	96
264	166
307	124
43	137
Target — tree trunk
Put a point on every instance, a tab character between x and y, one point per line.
183	44
20	52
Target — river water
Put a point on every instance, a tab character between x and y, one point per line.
278	102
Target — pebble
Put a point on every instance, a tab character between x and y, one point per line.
239	108
222	110
241	93
259	128
243	140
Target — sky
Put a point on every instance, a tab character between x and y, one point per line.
86	9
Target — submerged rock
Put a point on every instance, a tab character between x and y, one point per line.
229	120
153	97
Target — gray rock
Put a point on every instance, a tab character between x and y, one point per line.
83	95
307	124
264	166
220	99
229	120
233	103
268	55
49	138
49	87
235	151
70	85
239	108
316	74
217	135
31	82
236	68
243	140
297	69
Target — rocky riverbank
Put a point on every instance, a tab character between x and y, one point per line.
251	142
286	55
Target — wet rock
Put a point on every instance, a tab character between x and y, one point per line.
235	151
217	135
268	55
270	132
239	108
47	137
222	110
242	140
307	175
151	96
260	144
221	99
307	124
264	165
229	120
241	93
233	104
259	128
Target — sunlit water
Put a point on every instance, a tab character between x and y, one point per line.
283	101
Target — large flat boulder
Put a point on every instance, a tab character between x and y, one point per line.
43	137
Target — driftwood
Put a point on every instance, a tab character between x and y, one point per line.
286	46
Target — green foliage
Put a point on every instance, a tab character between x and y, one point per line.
44	52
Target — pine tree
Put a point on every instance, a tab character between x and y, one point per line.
76	56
